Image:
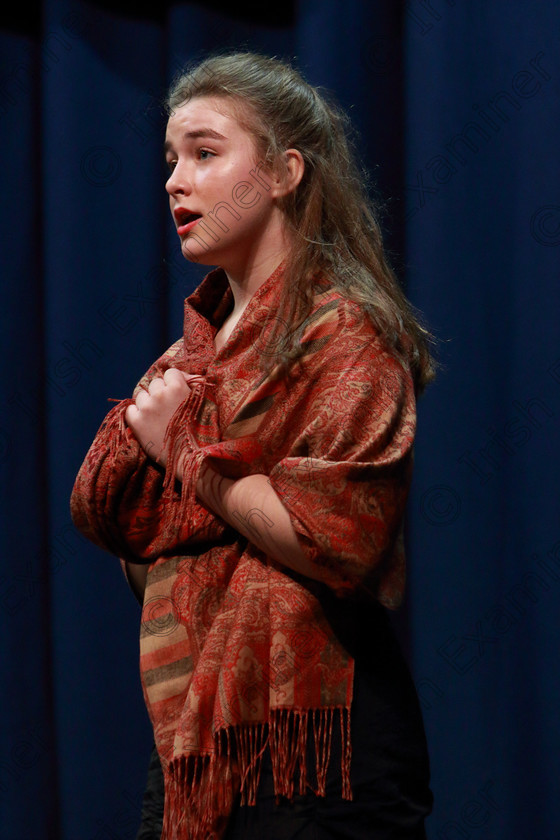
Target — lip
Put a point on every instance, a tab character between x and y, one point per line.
182	229
181	213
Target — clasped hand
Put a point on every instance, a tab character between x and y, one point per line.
152	410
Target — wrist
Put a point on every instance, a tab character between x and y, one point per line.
158	455
212	488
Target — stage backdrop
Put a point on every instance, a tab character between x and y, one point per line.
458	109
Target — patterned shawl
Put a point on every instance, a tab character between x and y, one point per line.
236	655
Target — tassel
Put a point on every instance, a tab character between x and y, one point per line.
301	748
346	753
322	732
200	789
115	424
178	435
198	797
251	742
288	744
180	441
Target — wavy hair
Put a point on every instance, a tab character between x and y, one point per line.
335	227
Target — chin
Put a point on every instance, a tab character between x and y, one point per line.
197	255
193	252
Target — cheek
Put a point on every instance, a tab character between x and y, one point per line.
212	180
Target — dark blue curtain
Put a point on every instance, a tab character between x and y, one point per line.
458	109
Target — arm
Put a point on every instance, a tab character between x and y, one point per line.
120	500
335	515
332	507
251	506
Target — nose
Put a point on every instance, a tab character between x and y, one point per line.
178	182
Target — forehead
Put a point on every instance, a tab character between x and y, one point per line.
205	112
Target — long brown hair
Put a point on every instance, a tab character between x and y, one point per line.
335	224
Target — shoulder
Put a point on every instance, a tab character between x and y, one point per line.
337	325
342	343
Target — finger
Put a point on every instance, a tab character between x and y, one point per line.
142	400
175	377
156	386
172	375
131	414
175	380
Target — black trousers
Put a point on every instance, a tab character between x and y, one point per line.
390	765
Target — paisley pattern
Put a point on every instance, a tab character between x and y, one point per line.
237	656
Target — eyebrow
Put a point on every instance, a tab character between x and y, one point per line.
196	135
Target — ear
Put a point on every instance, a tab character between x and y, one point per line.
287	181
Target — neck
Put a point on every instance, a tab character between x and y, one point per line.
250	270
245	284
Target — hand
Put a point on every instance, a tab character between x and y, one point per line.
148	418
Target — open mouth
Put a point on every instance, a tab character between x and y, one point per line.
186	221
189	217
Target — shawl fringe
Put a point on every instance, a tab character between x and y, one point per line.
352	414
115	425
200	789
181	442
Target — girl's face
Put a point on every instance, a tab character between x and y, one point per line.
222	203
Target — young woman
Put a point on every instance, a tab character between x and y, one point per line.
256	481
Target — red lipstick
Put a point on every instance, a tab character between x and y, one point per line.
185	219
182	229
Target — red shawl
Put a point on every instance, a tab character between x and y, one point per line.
236	655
